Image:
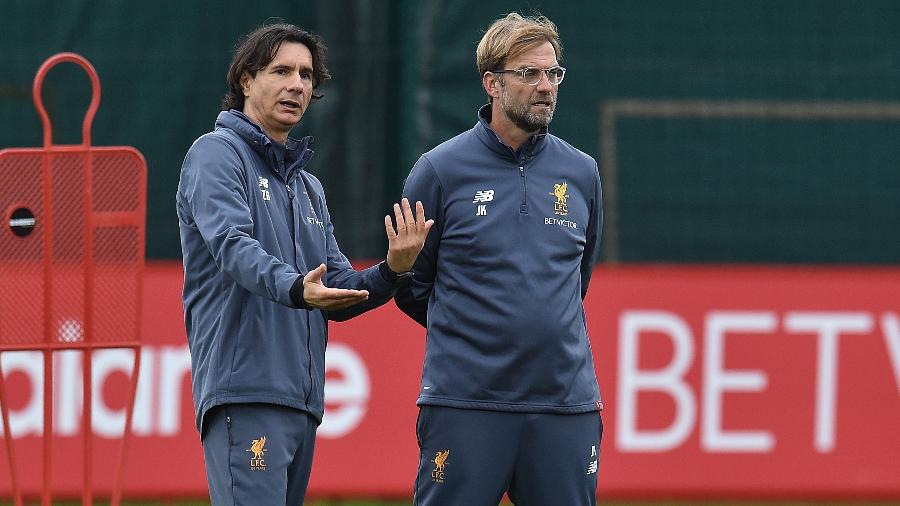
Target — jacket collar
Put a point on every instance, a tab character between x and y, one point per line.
483	130
293	155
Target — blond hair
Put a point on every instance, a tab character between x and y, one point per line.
511	36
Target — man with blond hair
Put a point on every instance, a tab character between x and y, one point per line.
509	401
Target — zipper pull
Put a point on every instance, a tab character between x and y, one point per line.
522	170
290	191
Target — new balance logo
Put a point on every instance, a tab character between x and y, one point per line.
592	467
483	196
264	188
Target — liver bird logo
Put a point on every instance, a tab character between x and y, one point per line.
258	447
440	458
560	192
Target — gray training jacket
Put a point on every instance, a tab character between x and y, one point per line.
500	282
252	224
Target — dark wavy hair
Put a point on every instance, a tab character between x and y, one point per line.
259	48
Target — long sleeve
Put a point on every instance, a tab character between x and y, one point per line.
339	271
340	274
593	235
423	185
213	199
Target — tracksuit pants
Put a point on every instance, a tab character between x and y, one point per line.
472	457
257	454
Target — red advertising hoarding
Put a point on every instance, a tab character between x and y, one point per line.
717	382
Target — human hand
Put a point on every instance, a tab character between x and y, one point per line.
405	244
319	296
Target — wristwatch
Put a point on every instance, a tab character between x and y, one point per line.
395	278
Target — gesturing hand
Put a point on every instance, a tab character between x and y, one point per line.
319	296
406	242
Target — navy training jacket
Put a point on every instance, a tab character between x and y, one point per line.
500	282
252	223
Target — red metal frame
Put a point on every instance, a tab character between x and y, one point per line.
92	220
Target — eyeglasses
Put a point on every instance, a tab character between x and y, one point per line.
532	75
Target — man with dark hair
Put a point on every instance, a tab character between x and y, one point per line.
509	399
263	273
258	49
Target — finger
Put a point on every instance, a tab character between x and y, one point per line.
420	213
339	299
344	299
389	228
428	225
337	295
407	213
315	275
401	223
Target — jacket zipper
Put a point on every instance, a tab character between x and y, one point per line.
309	367
294	222
523	207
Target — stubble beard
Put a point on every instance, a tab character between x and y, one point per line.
522	116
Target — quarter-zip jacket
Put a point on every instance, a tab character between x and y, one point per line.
253	222
500	282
